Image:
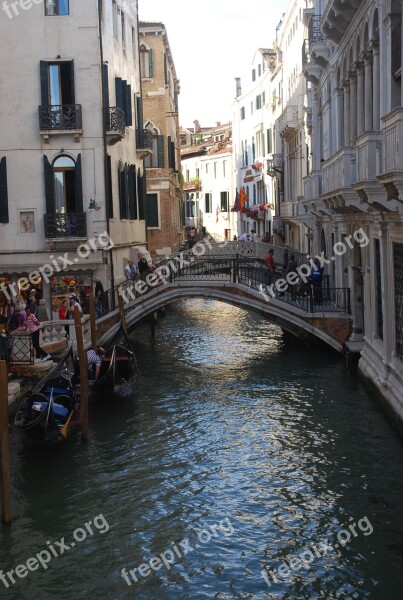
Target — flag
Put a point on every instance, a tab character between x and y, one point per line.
242	199
236	203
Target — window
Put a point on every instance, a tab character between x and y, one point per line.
253	74
269	142
259	70
152	211
64	185
3	191
115	19
242	113
215	170
253	149
57	83
123	25
208	203
156	160
56	8
258	102
206	168
146	61
263	98
224	196
224	168
123	93
251	108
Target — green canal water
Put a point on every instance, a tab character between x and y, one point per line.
240	468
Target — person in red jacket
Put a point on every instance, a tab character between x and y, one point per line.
271	266
32	325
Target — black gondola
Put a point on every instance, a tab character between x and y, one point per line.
118	369
51	408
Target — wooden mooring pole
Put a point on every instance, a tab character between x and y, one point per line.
92	320
82	357
4	445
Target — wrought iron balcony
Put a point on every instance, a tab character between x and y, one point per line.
315	34
62	226
144	142
60	118
115	123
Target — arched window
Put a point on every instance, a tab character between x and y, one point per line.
154	160
64	185
146	61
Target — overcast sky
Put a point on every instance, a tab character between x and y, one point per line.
212	42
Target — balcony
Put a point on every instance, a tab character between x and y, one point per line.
66	118
338	177
115	124
65	226
144	143
275	165
318	48
337	17
192	185
391	176
288	122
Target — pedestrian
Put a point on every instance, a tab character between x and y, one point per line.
98	287
72	304
32	303
94	361
63	308
270	266
142	266
235	238
20	303
42	312
99	308
130	271
253	235
8	310
245	237
32	325
292	268
316	281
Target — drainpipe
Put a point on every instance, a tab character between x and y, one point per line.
107	200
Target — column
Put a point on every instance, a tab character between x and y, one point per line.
368	92
346	85
353	106
376	86
360	98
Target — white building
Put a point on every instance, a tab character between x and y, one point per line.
208	188
72	168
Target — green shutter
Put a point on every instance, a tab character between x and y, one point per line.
109	196
269	142
142	191
160	144
173	156
169	152
79	186
124	99
4	217
150	63
49	189
44	82
152	210
118	91
131	186
123	193
129	118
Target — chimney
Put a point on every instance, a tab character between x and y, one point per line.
197	126
238	91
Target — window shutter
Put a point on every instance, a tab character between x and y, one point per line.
165	69
123	193
105	83
160	143
124	99
4	217
129	117
141	190
176	100
131	185
49	190
173	156
139	113
72	89
44	83
150	63
118	90
269	142
79	186
109	197
152	210
169	153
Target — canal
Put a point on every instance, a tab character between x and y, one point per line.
242	467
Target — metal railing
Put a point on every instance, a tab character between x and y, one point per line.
65	225
65	116
115	120
144	139
315	34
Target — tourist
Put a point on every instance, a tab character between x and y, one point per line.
245	237
42	312
20	303
94	361
72	304
63	308
32	303
8	310
130	271
142	266
98	287
253	235
270	266
316	281
32	325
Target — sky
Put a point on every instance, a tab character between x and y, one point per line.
212	42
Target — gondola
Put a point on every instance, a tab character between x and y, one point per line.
118	370
51	409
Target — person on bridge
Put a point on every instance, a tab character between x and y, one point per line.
245	237
270	265
130	271
142	266
253	235
316	281
292	268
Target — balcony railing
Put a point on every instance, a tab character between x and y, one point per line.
315	35
338	171
62	226
144	139
115	121
63	117
288	121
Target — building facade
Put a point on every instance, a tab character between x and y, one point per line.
208	188
72	148
160	91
